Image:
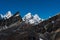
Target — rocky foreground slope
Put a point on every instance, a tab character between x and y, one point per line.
14	28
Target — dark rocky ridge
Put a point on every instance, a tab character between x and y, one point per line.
19	30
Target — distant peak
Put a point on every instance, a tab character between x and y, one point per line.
36	17
28	14
8	14
32	19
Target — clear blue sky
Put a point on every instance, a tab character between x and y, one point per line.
44	8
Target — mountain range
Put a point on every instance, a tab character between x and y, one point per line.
28	18
15	27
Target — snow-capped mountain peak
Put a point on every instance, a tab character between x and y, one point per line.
28	16
8	15
35	19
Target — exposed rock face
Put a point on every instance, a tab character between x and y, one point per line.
16	29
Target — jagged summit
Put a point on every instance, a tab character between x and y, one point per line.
28	18
8	15
37	18
8	19
32	19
